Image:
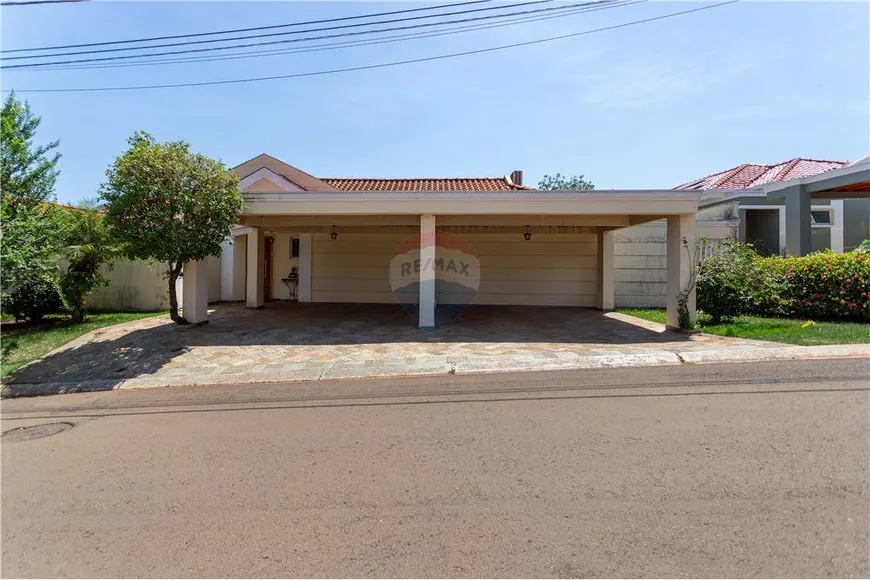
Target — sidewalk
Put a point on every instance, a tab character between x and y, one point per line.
285	344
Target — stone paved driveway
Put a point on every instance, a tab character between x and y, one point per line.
290	341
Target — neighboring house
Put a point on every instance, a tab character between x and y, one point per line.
836	224
750	202
535	248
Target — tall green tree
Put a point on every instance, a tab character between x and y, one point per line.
168	204
32	226
28	172
561	182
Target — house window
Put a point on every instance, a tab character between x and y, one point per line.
294	247
821	217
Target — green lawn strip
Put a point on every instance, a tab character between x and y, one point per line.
773	329
21	343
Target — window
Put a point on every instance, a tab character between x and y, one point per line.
294	247
821	217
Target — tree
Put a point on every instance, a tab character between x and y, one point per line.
560	182
32	225
168	204
27	172
88	247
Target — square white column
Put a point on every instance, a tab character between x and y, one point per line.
605	270
256	268
427	272
680	262
240	273
194	298
304	289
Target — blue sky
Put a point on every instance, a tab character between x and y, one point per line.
646	106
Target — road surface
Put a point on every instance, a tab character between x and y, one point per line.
711	470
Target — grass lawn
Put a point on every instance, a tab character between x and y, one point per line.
21	342
773	329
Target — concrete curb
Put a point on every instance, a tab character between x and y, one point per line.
747	354
442	366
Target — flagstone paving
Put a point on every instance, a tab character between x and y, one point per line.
291	341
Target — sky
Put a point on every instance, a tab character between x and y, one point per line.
638	107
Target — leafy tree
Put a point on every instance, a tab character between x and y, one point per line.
168	204
561	182
88	247
27	172
32	226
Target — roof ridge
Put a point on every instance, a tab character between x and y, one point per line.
499	177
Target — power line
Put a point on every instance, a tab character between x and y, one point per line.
374	66
28	2
307	38
233	31
271	34
343	44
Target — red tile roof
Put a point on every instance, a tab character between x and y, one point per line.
753	174
423	184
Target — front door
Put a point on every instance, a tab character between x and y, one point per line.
267	268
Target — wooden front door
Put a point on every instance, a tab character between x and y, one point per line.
267	269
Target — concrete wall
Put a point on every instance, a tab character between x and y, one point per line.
856	222
640	262
214	279
134	286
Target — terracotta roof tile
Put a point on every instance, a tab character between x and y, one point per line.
754	174
423	184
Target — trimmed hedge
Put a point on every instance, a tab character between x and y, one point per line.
820	286
823	285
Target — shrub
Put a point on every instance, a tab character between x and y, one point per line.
823	285
732	282
33	297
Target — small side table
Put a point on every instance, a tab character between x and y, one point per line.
292	284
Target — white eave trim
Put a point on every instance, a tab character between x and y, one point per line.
637	202
282	183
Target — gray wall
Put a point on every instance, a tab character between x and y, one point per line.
856	222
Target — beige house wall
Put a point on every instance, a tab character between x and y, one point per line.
282	263
134	286
548	270
353	267
640	262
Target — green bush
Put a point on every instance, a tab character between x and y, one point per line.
33	297
820	286
732	282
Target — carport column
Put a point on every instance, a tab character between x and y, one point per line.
797	221
680	263
427	271
255	264
605	270
304	289
194	299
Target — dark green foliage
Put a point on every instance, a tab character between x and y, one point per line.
821	286
561	182
168	204
32	298
731	281
88	248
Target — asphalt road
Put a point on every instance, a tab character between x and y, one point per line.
713	470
